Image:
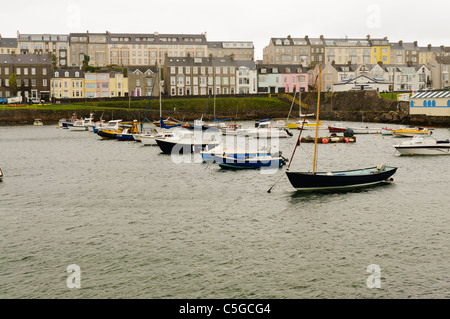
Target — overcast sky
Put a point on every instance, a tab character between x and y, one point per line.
241	20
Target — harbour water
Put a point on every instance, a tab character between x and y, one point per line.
139	225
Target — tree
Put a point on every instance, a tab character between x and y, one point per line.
86	62
13	84
54	61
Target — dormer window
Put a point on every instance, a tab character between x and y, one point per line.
56	74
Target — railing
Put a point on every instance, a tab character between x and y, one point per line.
290	98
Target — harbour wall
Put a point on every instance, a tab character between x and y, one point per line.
357	106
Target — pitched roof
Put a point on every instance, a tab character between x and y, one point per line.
25	59
8	42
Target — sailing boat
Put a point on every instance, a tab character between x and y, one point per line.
150	138
315	181
168	122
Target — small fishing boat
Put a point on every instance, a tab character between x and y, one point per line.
332	180
365	130
411	131
337	128
313	181
249	162
208	156
169	122
117	126
38	122
424	145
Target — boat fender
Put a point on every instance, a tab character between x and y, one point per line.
346	139
324	141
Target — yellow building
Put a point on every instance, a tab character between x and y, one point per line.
381	51
118	84
67	83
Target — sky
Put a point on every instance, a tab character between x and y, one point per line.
236	20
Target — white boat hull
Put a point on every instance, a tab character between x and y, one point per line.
423	150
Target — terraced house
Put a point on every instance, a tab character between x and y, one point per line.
207	76
67	83
239	49
57	44
143	81
32	72
150	49
8	45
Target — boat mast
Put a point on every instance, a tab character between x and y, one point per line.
317	120
160	91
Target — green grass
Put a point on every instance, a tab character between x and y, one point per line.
203	105
388	96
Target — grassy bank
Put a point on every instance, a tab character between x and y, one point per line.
194	105
199	105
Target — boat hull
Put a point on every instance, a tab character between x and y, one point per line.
170	147
306	181
248	163
107	135
424	150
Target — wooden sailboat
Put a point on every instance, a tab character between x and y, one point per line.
314	181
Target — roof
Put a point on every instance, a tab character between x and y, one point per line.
209	61
282	68
365	75
25	59
8	42
71	73
156	38
142	68
431	95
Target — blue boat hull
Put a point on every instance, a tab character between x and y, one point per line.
248	163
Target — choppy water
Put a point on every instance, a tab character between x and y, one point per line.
140	226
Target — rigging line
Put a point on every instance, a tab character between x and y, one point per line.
292	104
303	123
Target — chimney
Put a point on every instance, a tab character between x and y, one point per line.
400	42
380	63
368	37
306	38
415	43
321	37
385	38
289	37
442	47
429	46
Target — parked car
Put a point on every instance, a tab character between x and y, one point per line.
3	100
35	100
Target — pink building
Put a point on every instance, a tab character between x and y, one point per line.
294	79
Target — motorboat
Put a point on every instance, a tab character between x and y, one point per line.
411	131
78	125
150	138
186	142
38	122
424	145
208	156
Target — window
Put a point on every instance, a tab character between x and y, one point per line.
33	71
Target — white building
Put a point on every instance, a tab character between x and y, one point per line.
362	81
